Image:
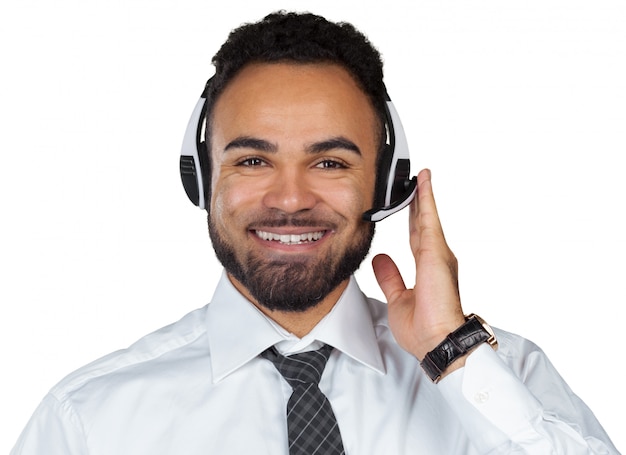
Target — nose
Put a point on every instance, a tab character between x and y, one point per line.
290	192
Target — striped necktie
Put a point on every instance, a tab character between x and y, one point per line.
311	423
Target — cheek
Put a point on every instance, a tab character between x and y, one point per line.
227	198
370	186
351	199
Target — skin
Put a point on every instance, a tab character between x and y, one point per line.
289	110
421	317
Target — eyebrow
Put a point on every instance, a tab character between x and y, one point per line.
262	145
333	143
251	143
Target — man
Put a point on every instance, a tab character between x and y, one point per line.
296	141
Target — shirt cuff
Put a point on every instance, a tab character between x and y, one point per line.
491	402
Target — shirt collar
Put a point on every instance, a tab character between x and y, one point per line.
238	331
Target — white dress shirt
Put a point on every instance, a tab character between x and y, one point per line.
198	387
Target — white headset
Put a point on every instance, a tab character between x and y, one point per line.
393	175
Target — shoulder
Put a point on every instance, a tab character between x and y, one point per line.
176	340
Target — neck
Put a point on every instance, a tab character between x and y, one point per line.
299	323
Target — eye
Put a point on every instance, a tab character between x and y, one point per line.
330	164
251	162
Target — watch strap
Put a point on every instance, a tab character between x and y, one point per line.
455	345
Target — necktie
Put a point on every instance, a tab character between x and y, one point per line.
311	423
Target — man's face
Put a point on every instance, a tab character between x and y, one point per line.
294	155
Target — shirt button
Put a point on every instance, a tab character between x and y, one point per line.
481	397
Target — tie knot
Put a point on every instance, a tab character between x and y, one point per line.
298	369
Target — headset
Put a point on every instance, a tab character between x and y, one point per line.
393	175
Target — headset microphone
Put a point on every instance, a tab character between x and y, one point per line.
393	175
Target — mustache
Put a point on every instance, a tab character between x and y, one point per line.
295	220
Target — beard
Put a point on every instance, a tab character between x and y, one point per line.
297	283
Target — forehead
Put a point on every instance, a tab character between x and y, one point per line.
292	95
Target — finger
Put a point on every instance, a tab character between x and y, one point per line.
426	208
424	222
388	277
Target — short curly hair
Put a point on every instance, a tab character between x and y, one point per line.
300	38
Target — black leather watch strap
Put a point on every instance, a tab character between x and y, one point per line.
458	343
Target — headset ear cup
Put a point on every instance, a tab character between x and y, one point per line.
382	176
192	156
394	188
189	175
400	181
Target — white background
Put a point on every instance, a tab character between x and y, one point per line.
518	107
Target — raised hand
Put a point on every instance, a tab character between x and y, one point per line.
421	317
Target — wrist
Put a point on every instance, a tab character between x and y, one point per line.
451	353
436	335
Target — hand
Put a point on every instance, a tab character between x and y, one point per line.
421	318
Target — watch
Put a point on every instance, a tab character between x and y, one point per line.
475	331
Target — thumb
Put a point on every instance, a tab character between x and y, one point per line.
388	277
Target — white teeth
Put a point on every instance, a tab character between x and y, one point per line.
293	239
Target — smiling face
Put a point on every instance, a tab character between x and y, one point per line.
293	149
